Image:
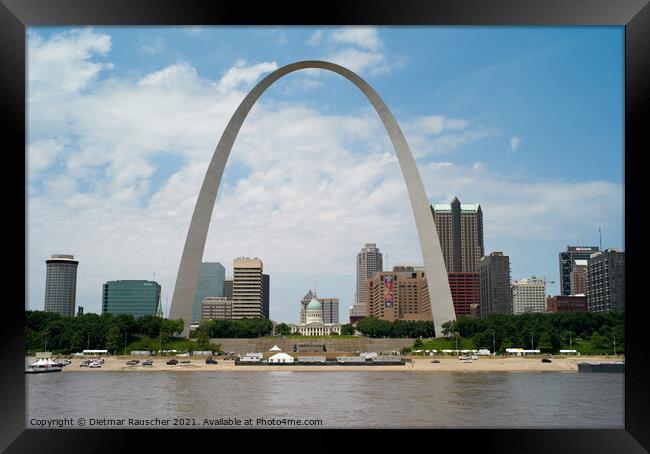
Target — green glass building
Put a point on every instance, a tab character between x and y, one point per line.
135	298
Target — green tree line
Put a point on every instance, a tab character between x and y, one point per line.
545	332
96	332
244	328
374	327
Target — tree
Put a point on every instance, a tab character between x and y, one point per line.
418	343
284	329
347	330
113	336
334	333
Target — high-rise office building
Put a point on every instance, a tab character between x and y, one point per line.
579	277
61	284
464	292
606	281
303	305
132	297
494	284
398	295
216	308
369	262
330	309
460	231
528	295
211	282
567	262
227	287
248	288
266	291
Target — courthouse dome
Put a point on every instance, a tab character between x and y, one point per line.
314	304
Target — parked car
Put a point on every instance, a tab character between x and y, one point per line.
546	360
85	363
172	362
210	361
185	361
132	362
147	362
435	361
95	364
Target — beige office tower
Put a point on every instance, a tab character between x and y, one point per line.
369	262
247	291
401	294
460	231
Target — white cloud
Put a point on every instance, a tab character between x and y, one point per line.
514	143
315	38
364	37
42	154
62	63
242	75
153	47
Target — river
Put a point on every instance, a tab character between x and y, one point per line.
336	399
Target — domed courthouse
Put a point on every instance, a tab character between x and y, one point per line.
313	321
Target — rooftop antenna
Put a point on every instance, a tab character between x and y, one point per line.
600	238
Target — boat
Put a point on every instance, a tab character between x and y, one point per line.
43	366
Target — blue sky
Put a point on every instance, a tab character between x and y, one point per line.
527	121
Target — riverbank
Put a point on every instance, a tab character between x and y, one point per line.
484	364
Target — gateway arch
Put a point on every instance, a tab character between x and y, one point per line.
442	308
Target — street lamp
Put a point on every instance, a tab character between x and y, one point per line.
494	348
532	342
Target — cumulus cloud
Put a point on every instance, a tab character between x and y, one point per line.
242	75
153	47
364	37
514	143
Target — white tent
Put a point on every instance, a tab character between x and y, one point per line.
281	358
275	348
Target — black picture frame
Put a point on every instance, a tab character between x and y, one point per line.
634	15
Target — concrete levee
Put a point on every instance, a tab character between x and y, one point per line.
332	345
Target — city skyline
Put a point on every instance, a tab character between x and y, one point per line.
121	203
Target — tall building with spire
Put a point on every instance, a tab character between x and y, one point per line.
369	262
61	285
460	231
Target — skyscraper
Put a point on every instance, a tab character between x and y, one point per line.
464	292
266	291
567	262
529	295
248	288
211	283
460	231
369	262
132	297
579	277
494	284
61	284
227	287
398	295
330	309
606	281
